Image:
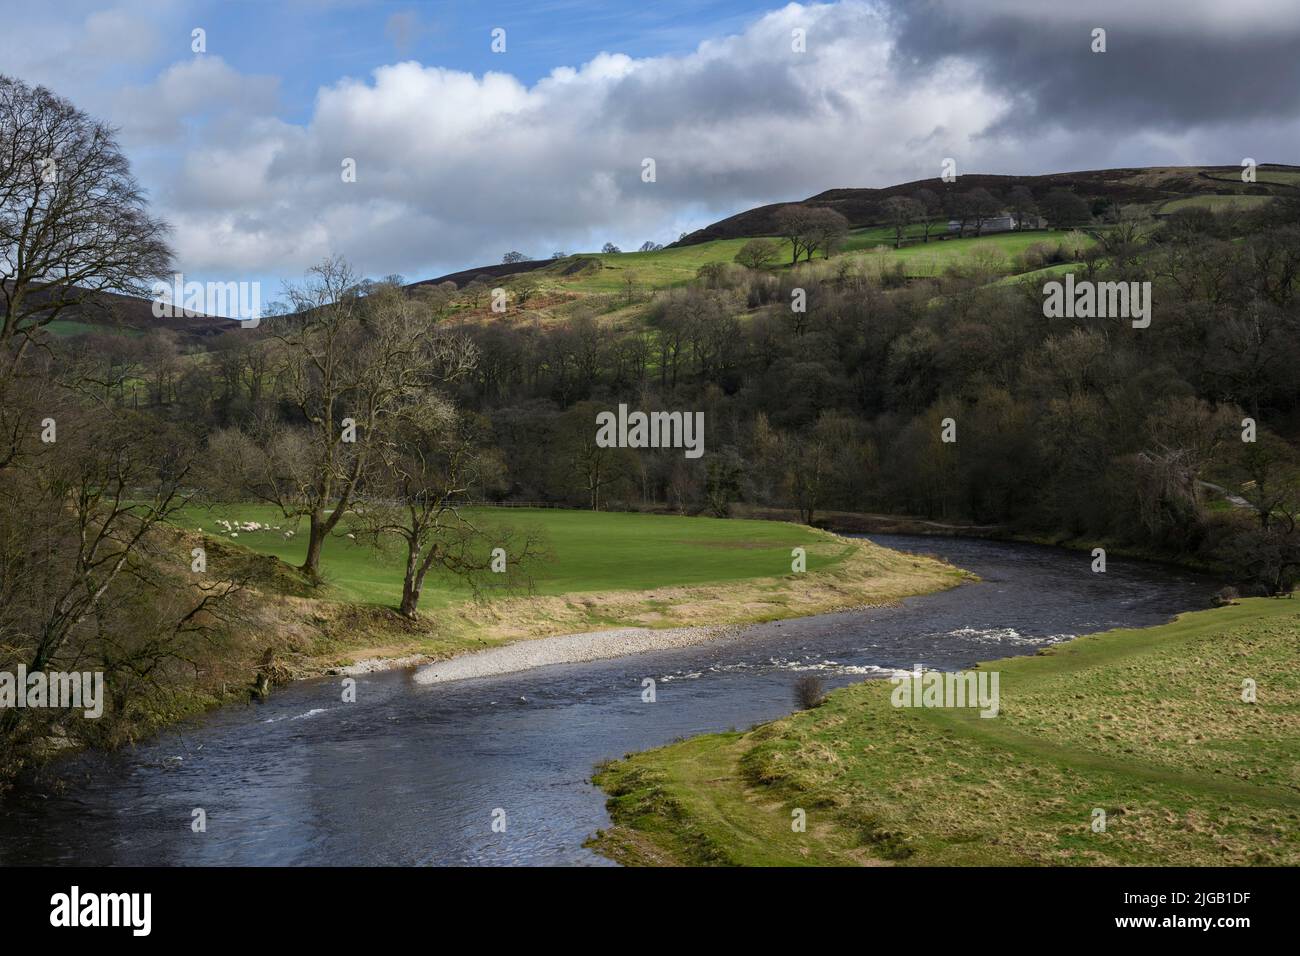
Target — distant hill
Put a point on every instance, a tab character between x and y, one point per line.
466	276
862	207
111	310
1166	188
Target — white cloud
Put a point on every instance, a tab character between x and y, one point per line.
119	35
454	169
190	90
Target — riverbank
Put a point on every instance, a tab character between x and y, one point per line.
320	637
1147	727
845	522
566	649
276	627
527	742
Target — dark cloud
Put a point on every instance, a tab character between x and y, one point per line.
1173	74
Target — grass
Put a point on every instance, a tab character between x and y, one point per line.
664	269
872	236
1147	725
669	268
585	551
1286	177
1214	203
1040	275
931	259
66	328
599	570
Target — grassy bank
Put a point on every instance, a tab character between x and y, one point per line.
1148	725
598	570
584	551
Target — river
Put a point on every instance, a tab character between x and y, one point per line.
415	775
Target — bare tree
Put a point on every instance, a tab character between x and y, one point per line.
829	228
809	228
982	205
901	212
931	210
430	462
794	223
1063	208
79	553
579	457
73	221
1021	202
346	364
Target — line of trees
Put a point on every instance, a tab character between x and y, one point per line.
1087	427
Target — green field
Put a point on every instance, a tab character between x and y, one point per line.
1147	725
873	236
660	270
668	268
932	258
1286	177
66	328
1040	275
584	551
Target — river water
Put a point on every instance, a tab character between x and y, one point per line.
414	774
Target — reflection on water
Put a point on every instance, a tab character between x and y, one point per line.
411	774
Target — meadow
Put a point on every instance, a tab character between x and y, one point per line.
932	258
669	268
1148	726
582	551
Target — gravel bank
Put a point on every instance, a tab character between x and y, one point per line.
371	665
566	649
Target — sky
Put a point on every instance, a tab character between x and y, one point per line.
463	152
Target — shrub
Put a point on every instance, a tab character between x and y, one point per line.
1226	596
809	692
758	253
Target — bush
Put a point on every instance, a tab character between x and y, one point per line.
1226	596
809	692
758	253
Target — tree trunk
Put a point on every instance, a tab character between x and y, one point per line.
412	583
410	599
315	539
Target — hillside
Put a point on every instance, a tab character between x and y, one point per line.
112	311
1151	186
1154	188
556	286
